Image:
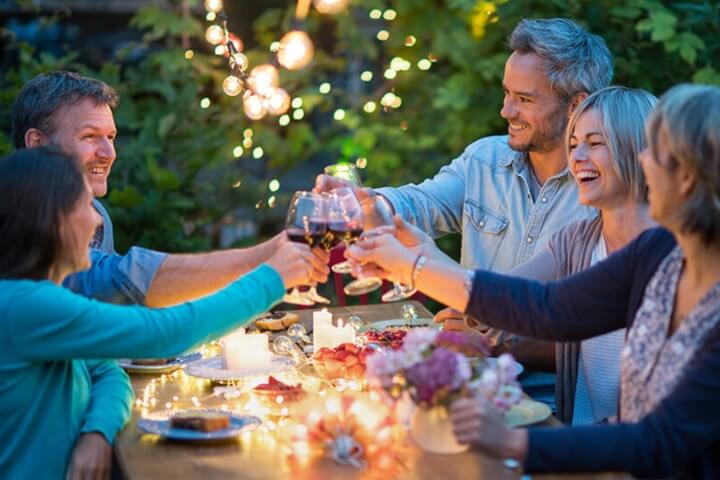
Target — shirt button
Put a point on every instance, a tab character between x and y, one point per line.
529	239
544	199
482	223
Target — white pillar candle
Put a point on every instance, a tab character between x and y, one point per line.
246	352
322	325
342	334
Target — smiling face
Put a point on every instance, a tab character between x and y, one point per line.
591	163
87	132
535	113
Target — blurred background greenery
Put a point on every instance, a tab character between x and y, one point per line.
194	173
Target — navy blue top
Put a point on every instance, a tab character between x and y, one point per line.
682	435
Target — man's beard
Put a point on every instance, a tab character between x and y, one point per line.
548	135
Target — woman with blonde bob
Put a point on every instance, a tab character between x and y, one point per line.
664	287
604	137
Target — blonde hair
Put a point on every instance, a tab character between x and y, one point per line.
689	117
622	113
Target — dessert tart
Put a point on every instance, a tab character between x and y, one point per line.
276	321
200	420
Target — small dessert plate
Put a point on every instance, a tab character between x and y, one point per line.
159	424
171	366
212	369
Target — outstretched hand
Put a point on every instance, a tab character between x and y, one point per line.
384	255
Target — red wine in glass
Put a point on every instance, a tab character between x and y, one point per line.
344	231
313	233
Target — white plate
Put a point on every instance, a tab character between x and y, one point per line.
518	366
171	366
527	412
161	426
212	369
400	322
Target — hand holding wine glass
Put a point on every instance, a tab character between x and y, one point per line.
307	223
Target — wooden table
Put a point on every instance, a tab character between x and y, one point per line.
256	456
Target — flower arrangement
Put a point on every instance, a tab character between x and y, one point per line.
434	368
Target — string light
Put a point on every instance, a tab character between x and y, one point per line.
284	120
238	151
205	103
296	50
214	6
389	14
400	64
390	74
410	40
424	64
278	102
258	152
361	162
219	50
375	14
324	88
339	114
330	7
274	185
239	61
366	76
383	35
263	79
297	102
232	86
189	54
210	17
248	133
254	106
214	34
247	143
298	114
370	107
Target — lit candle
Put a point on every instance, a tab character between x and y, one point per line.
241	351
342	334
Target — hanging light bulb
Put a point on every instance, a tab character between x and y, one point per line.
214	34
239	60
232	86
296	50
236	41
254	107
330	7
277	102
214	6
264	78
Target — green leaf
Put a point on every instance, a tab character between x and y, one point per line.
128	197
166	123
661	33
688	53
707	75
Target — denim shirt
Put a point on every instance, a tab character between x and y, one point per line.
485	195
116	278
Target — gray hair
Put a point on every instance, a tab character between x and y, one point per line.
575	60
42	97
622	113
689	118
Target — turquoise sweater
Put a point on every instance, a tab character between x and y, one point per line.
56	377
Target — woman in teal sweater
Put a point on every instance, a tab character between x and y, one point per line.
61	396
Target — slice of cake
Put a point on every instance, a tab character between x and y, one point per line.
200	420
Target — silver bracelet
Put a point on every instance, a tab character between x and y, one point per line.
417	268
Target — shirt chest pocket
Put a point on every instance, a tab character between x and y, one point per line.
484	219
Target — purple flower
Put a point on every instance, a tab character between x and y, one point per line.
438	374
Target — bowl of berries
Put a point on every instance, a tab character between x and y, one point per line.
278	396
391	337
346	361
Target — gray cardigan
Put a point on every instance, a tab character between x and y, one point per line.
569	251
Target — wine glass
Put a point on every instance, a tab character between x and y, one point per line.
306	223
377	213
345	220
348	172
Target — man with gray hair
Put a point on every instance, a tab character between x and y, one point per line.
508	194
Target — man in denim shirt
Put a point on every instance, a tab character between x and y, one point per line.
508	194
74	114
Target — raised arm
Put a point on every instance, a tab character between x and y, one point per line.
435	205
58	324
679	430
